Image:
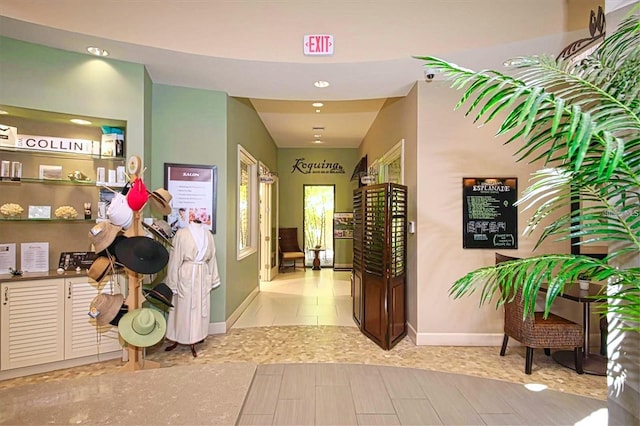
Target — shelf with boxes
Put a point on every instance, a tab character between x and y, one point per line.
51	165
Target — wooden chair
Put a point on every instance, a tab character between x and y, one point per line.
537	332
289	248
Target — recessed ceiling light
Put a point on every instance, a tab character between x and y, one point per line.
317	110
317	104
3	112
318	141
317	136
97	51
80	121
321	84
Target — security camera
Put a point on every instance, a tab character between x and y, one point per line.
429	75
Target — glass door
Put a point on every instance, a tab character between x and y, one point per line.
319	204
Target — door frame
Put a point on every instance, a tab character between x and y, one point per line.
304	248
268	201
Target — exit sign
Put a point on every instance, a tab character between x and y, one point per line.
318	45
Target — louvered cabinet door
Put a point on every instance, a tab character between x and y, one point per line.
82	336
31	326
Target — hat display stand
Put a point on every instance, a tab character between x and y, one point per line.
134	299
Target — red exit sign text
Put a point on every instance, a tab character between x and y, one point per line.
318	45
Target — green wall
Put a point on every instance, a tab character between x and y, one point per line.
292	181
189	127
245	128
42	78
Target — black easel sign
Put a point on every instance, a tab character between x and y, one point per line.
489	217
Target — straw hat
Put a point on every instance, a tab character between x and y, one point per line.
99	269
104	307
137	196
142	254
103	234
160	199
161	230
142	327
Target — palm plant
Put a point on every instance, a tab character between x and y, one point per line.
582	121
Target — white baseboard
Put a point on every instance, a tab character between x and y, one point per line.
217	327
236	314
342	266
459	339
58	365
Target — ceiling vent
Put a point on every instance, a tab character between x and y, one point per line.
318	129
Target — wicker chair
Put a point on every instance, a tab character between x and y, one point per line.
537	332
289	248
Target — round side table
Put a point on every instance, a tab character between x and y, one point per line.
316	258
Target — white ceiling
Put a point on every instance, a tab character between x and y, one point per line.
254	49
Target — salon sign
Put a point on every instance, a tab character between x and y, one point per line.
316	167
55	144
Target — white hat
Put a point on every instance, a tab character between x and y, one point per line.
119	211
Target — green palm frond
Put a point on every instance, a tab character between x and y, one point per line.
582	121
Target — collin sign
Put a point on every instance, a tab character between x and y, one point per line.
318	45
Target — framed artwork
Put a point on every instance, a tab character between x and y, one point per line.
193	191
342	225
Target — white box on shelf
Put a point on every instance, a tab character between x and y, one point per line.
50	172
8	135
112	145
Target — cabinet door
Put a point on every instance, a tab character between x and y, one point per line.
82	336
32	327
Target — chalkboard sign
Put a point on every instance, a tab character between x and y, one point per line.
489	218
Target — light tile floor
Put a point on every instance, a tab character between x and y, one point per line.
301	298
272	333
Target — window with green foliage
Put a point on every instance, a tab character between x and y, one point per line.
247	203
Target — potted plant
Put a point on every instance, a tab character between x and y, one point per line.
582	120
584	280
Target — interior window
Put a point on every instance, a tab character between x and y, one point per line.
247	203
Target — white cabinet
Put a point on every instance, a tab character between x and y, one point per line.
82	336
32	324
46	321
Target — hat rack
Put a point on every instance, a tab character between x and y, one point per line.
134	299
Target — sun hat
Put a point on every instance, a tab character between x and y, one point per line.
137	196
142	327
161	230
99	268
160	199
104	307
102	235
161	293
111	250
142	254
119	211
123	310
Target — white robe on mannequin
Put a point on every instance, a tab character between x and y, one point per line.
192	274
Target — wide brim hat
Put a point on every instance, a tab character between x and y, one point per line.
142	327
111	250
105	307
161	292
123	310
160	201
102	234
143	255
137	196
99	269
159	231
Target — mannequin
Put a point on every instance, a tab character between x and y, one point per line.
192	274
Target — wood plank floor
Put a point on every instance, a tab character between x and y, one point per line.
355	394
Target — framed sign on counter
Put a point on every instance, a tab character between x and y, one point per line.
489	217
193	191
